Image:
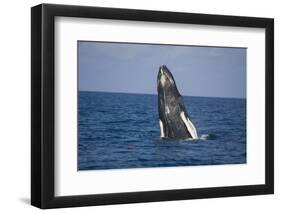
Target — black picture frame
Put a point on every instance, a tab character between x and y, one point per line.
43	111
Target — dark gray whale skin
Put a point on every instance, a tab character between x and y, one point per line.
170	107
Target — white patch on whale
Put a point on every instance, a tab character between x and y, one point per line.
163	79
162	135
189	125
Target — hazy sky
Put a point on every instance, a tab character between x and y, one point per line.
133	68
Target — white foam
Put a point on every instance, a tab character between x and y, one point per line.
204	137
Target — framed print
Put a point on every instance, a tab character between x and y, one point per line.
139	106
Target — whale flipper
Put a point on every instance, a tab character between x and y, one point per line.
189	125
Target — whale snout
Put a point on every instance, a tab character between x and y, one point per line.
164	75
163	70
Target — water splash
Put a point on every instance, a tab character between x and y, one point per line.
203	137
207	137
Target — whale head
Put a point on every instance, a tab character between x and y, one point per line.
166	84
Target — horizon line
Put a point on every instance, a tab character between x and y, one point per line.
137	93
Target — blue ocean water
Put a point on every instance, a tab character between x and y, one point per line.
118	130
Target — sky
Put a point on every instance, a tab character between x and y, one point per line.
133	68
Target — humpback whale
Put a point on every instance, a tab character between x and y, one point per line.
174	121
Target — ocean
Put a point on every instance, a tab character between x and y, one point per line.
119	130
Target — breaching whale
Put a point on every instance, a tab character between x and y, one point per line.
174	121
